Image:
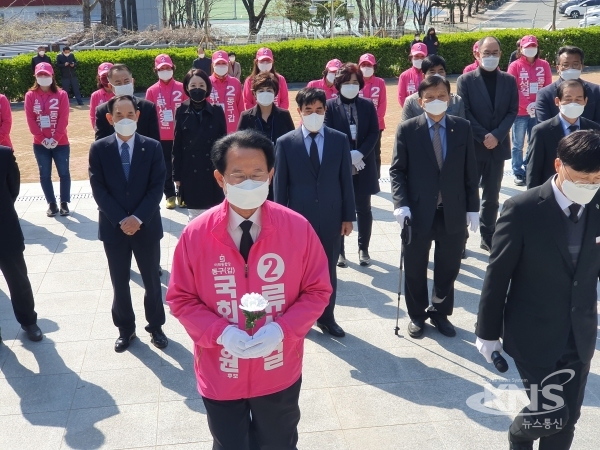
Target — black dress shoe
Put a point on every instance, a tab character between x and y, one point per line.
332	328
52	210
342	261
416	328
442	323
64	209
486	246
159	340
364	258
122	343
33	332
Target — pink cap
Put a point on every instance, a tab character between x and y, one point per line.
104	68
476	46
418	49
220	56
44	68
264	53
162	60
529	41
367	57
333	65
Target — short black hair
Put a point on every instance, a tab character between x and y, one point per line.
432	61
432	81
308	96
247	139
66	47
196	73
482	40
570	83
231	54
118	68
569	50
265	80
114	100
581	151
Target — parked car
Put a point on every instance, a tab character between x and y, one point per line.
576	11
590	20
565	5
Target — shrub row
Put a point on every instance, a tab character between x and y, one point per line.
303	60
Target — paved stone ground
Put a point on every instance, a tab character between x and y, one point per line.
369	390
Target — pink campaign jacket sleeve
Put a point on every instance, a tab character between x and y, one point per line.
401	90
6	119
93	105
382	106
315	291
202	324
249	100
547	74
34	128
63	116
283	96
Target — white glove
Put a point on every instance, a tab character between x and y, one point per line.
486	348
356	156
46	143
473	221
264	342
531	109
360	165
402	213
234	340
52	143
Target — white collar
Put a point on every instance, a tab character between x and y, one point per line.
235	219
305	132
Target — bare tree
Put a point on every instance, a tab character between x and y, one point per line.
421	9
255	19
87	6
108	13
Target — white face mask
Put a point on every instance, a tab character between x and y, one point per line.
490	63
249	194
265	98
331	77
581	194
42	53
367	71
165	75
435	107
125	89
221	70
44	81
265	67
313	122
232	59
438	75
529	52
126	127
572	110
200	55
350	90
417	63
570	74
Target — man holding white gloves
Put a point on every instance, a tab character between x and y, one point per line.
247	298
435	185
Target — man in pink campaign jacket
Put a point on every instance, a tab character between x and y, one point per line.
226	90
326	83
247	297
532	74
474	65
167	95
409	80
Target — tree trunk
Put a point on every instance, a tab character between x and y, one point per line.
108	13
255	21
124	20
132	15
87	6
361	15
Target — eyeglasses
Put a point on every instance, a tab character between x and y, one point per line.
488	54
238	177
582	184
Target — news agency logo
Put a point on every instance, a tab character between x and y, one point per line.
508	399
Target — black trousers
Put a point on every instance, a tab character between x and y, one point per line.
72	83
332	250
559	435
446	265
364	220
167	147
490	172
147	256
14	269
269	422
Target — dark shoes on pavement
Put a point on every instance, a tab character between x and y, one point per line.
33	332
342	261
363	258
64	209
519	180
122	343
52	210
486	245
416	327
158	339
332	328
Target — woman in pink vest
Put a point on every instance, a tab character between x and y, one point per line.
104	92
226	90
532	74
5	121
375	91
167	95
326	83
409	80
264	63
47	112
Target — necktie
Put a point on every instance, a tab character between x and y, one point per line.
439	152
574	216
314	153
125	159
572	128
246	241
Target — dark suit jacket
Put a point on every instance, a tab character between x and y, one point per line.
417	180
531	287
203	64
39	59
326	199
542	149
63	64
11	236
147	123
282	121
367	135
487	119
546	109
117	197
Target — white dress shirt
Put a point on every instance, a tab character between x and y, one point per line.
236	232
131	143
319	139
562	200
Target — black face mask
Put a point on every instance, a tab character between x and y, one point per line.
197	95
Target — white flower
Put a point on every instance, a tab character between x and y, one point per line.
253	302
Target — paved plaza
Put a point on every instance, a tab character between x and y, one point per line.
369	390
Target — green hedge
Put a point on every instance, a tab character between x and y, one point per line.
303	60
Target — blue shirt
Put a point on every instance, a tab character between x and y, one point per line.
442	122
320	139
566	125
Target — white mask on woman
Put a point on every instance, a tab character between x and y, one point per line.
221	70
249	194
367	71
350	90
44	81
265	98
165	75
331	77
529	52
265	67
417	63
